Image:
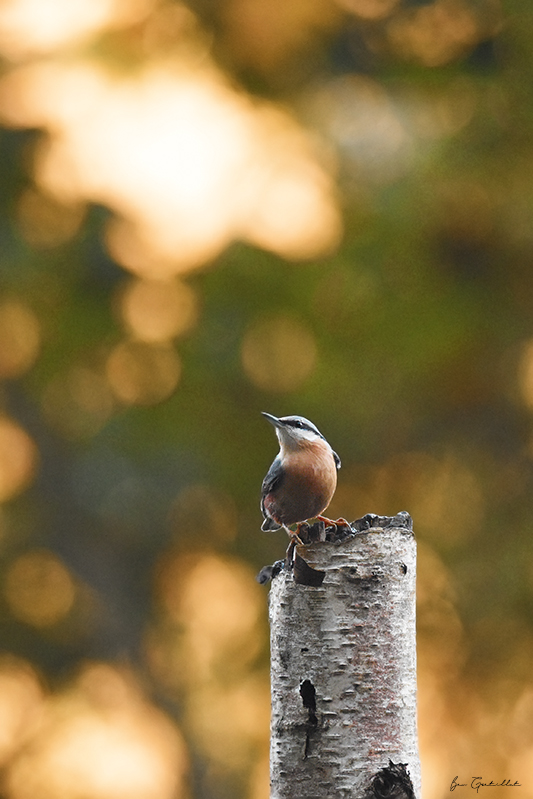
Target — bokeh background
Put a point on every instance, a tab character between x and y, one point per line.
211	209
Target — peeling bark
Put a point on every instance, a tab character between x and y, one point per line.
343	669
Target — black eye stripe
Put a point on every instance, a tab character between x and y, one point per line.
302	426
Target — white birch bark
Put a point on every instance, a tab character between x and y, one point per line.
343	668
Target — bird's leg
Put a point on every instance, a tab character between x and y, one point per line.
295	540
330	523
294	534
290	553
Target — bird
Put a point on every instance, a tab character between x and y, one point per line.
302	478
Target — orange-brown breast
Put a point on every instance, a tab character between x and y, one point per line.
308	485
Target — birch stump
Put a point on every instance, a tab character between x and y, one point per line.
343	668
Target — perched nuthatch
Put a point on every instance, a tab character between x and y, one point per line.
302	479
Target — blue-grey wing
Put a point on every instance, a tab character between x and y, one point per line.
273	478
272	481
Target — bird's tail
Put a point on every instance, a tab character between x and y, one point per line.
269	525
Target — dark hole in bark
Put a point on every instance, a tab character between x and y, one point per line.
308	694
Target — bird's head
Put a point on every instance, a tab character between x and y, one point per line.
296	432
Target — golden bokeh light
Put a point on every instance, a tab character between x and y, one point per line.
428	485
234	614
260	778
46	223
37	27
521	743
157	310
440	483
369	9
441	654
281	218
215	607
171	25
101	740
268	34
79	403
278	353
496	737
440	628
522	764
525	374
18	459
435	726
39	589
437	33
229	722
141	373
187	162
19	338
21	705
216	602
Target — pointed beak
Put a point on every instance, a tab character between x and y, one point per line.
272	419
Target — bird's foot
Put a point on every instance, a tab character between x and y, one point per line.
331	523
294	535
